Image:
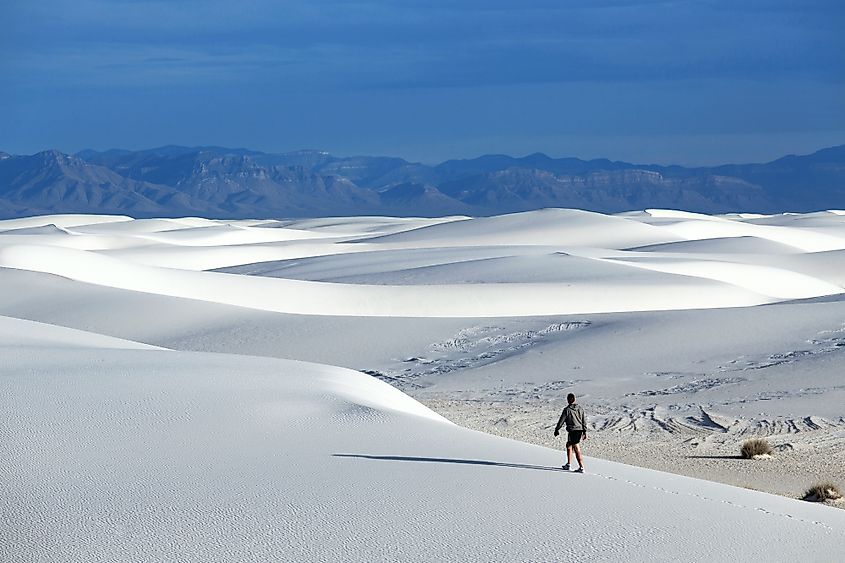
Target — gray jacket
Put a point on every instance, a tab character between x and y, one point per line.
574	418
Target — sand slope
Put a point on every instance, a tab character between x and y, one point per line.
159	456
116	450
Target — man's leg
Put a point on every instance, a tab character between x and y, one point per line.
577	448
568	454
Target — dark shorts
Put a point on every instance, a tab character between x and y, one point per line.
574	437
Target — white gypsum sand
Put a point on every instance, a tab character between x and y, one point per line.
684	335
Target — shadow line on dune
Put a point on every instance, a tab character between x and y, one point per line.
451	460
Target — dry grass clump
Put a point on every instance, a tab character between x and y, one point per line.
822	492
755	448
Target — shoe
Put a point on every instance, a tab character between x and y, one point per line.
579	470
565	467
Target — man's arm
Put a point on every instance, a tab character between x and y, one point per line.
584	423
560	422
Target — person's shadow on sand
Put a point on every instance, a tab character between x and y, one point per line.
450	460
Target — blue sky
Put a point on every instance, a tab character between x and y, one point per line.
687	82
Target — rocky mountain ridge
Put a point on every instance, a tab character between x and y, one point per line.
235	183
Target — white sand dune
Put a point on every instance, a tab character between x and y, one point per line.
764	280
451	265
217	257
547	262
41	230
144	226
224	235
782	231
677	214
828	266
564	227
19	334
362	226
63	221
65	238
117	451
318	298
160	456
723	245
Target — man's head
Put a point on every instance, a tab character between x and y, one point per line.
570	398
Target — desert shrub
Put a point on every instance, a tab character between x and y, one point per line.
821	492
755	447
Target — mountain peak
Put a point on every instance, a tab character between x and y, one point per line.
51	153
53	158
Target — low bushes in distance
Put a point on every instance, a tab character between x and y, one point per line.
822	492
755	448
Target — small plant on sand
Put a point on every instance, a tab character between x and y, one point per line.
756	448
822	492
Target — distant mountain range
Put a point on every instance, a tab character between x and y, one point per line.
237	183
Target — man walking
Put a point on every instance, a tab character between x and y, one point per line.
576	429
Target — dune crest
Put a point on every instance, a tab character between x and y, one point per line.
552	261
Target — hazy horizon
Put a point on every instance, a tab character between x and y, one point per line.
439	161
639	81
